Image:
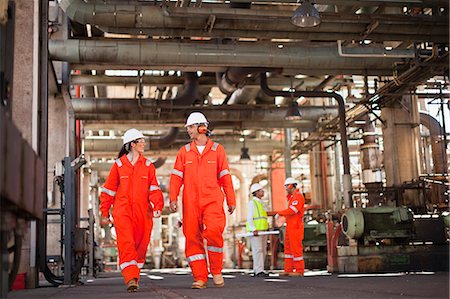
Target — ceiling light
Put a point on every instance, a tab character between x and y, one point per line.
306	15
293	113
244	153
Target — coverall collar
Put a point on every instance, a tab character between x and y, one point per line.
208	146
290	195
125	160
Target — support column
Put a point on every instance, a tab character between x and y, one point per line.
316	176
287	152
24	110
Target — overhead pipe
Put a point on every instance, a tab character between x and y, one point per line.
243	95
190	91
374	52
234	77
187	98
99	147
103	80
159	162
132	109
164	141
342	126
139	54
140	18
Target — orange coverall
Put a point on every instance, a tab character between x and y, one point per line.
203	176
134	193
293	246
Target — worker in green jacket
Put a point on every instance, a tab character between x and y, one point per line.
257	222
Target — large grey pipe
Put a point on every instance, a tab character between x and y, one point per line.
347	182
438	151
141	18
139	54
438	146
132	109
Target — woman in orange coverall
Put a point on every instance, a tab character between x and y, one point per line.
294	264
202	167
133	191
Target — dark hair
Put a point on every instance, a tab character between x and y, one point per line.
125	149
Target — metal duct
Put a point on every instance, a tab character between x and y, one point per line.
99	147
243	95
234	77
159	162
164	141
347	183
374	52
438	150
187	98
131	109
438	145
190	91
203	81
139	18
140	54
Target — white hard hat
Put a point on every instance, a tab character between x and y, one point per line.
289	181
132	134
255	187
196	118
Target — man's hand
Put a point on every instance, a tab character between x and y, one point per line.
231	209
104	221
255	233
156	214
173	207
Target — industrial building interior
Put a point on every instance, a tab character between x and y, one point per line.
355	106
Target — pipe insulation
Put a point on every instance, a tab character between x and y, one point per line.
87	108
141	54
142	18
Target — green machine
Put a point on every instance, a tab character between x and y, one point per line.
315	245
384	239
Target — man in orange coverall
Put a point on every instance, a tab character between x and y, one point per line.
294	264
133	191
202	167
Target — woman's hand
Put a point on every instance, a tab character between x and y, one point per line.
156	214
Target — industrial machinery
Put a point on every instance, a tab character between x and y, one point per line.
315	245
382	239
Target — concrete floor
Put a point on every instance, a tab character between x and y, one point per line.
176	285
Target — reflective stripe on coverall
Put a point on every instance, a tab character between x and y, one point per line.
203	176
293	240
134	193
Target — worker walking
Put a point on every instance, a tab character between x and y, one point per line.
202	167
133	191
294	264
257	222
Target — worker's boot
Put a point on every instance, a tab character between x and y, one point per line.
284	274
132	285
295	274
218	280
199	284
